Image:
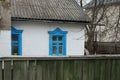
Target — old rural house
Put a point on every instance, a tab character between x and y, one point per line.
44	28
107	19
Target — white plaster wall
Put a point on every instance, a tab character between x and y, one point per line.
35	38
5	43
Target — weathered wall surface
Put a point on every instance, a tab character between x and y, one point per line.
5	15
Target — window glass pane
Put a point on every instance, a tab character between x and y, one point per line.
60	38
54	49
14	44
14	37
60	49
54	38
15	50
54	44
60	43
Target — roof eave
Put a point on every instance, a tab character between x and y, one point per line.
48	20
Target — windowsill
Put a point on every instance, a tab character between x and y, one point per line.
58	55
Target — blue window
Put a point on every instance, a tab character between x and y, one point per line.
16	44
57	42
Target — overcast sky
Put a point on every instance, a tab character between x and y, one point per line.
86	1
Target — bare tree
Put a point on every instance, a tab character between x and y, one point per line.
104	15
81	3
96	18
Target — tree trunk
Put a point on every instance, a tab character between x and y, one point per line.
90	42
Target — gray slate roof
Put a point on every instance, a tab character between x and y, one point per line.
60	10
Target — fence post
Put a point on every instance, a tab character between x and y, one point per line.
35	69
27	69
2	69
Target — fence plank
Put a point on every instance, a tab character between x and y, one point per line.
117	69
7	70
20	70
31	70
85	70
78	69
91	69
102	69
113	71
52	70
73	70
97	70
68	70
44	70
0	70
108	69
59	70
40	69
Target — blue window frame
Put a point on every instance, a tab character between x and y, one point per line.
57	42
16	41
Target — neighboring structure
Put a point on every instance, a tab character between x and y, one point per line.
45	28
108	17
108	24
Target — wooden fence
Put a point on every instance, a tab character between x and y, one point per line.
77	68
